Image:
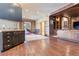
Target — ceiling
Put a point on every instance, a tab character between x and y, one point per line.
72	11
38	11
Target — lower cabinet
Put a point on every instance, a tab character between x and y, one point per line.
19	37
12	38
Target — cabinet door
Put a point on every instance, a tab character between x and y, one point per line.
21	37
7	46
15	38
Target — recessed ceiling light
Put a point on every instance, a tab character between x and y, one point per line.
15	4
27	10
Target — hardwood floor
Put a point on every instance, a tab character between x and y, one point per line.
48	47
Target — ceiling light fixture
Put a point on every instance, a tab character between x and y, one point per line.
16	4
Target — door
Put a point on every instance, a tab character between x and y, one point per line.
27	25
42	28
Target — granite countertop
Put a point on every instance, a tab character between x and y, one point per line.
11	30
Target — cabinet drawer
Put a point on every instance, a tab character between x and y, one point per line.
7	41
13	38
6	46
7	38
7	34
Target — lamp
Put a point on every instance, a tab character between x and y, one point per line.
57	19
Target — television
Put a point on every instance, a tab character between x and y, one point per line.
76	25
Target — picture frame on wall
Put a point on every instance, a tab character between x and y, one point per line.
65	23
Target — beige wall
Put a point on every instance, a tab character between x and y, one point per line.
47	27
43	26
33	25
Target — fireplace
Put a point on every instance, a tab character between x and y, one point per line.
76	25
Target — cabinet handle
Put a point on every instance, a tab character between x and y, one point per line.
8	40
8	45
8	33
8	36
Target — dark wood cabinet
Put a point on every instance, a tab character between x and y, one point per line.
12	38
55	23
18	38
52	25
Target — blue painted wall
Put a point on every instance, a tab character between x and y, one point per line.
8	11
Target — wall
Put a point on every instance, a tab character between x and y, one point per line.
33	23
38	26
47	27
7	24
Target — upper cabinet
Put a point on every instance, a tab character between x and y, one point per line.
10	12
